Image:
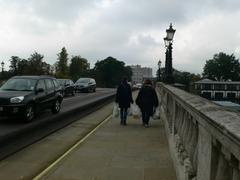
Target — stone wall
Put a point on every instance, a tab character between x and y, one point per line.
204	138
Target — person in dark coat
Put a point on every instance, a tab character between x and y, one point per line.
146	100
124	98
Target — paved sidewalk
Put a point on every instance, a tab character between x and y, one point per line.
116	152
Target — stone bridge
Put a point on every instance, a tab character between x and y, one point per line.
204	139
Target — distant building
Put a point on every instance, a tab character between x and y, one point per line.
219	90
140	73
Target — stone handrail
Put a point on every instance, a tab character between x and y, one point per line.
204	138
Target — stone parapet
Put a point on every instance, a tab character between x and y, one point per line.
204	138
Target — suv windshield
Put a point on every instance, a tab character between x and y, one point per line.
19	85
83	81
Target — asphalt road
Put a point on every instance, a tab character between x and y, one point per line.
11	127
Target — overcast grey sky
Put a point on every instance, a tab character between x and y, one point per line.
129	30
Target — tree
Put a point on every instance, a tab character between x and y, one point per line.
62	64
34	65
14	63
185	78
35	62
222	67
109	72
78	67
23	67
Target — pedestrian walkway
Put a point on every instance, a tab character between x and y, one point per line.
116	152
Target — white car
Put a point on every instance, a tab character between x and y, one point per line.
138	85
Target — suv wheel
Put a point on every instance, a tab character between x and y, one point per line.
29	113
56	106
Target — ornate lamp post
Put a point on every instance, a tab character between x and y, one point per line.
168	63
159	70
2	64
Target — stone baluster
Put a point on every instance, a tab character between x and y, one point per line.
223	169
182	151
184	124
165	100
193	144
170	111
186	130
177	119
189	134
235	168
204	154
172	131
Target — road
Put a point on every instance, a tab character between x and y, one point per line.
14	132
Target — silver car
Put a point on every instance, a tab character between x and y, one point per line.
85	85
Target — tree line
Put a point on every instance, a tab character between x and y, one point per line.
107	72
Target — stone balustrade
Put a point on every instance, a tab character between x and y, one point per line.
204	138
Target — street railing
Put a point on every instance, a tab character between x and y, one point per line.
204	138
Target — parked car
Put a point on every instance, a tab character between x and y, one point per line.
24	96
85	85
137	86
67	85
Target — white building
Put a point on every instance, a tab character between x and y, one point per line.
140	73
218	90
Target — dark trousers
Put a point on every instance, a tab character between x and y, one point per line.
123	115
145	117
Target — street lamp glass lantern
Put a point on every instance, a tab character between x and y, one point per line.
170	32
166	41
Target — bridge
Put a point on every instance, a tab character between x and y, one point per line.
194	140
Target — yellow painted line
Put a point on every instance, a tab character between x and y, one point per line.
45	171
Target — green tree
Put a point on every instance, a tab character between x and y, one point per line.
62	70
23	67
35	64
108	72
222	67
78	67
14	63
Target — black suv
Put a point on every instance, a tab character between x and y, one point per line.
67	85
27	95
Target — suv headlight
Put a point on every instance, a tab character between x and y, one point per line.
17	99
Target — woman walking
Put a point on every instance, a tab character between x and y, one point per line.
124	98
146	100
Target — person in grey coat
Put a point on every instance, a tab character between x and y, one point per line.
147	101
124	98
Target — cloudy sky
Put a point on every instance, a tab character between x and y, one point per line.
129	30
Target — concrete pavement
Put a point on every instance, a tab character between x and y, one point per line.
116	152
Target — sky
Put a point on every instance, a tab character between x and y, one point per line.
129	30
